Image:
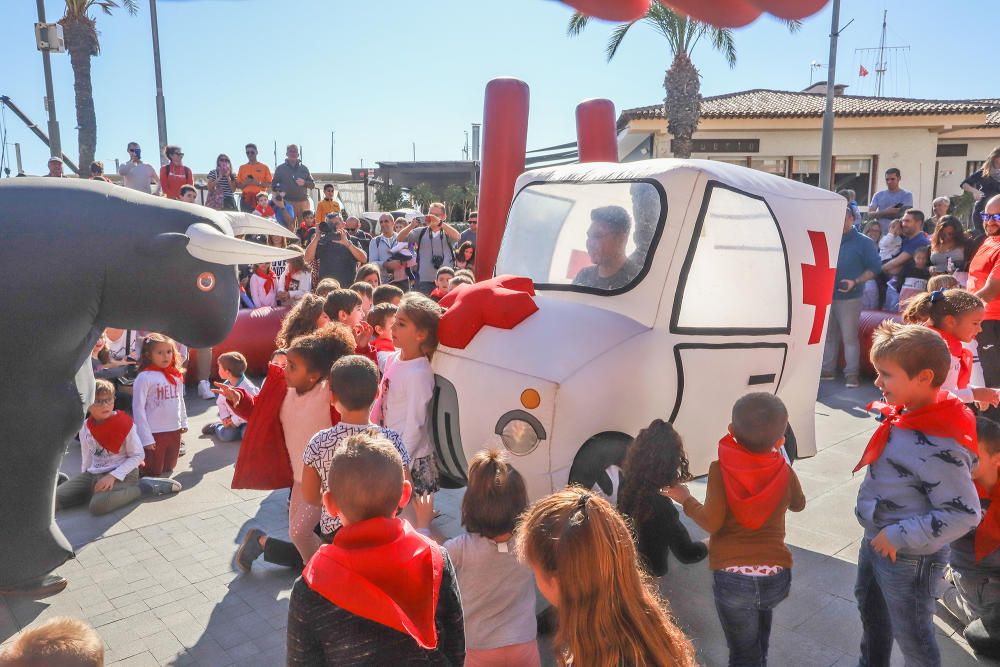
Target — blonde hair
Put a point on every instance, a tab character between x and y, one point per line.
988	164
609	612
942	281
914	347
59	642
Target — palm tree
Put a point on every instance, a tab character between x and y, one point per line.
682	104
80	34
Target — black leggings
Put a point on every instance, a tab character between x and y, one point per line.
989	358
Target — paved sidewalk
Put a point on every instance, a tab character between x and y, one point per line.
158	579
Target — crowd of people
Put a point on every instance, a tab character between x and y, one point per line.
341	420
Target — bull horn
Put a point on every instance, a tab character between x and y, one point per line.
249	223
210	245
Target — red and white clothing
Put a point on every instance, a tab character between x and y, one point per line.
959	379
406	390
297	284
172	178
98	459
226	411
264	289
383	350
157	405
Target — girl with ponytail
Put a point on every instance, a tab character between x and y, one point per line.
957	315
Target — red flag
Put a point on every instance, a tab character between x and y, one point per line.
862	71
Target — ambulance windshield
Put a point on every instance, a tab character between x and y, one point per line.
595	237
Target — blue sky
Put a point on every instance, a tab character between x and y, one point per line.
386	73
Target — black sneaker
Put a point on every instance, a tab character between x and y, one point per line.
250	550
209	429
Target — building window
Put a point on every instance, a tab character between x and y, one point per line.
805	170
776	166
971	166
854	173
952	150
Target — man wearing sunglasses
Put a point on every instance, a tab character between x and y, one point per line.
253	177
137	174
984	282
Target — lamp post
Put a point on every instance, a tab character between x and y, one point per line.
826	145
55	143
161	111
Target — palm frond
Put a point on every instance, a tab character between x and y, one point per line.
577	23
722	40
615	40
793	26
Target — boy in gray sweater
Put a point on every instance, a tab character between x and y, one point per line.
917	496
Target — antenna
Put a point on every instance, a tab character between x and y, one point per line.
813	66
881	54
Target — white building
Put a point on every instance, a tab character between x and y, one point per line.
934	143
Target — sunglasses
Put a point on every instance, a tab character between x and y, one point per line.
995	217
132	150
251	152
178	154
104	401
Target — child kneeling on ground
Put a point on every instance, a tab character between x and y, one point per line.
230	427
975	557
111	454
381	593
917	496
750	488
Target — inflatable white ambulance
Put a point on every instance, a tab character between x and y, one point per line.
725	289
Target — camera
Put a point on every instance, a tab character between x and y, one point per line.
137	152
325	227
437	261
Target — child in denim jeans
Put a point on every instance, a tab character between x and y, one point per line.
975	557
916	498
750	488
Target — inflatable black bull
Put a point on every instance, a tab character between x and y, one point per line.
79	256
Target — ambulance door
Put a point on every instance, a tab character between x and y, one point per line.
731	316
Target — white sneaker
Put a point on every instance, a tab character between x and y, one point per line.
205	390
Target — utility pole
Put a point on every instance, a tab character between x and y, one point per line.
414	151
880	68
55	143
161	110
333	142
826	147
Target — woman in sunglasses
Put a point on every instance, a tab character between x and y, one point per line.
984	282
221	185
984	184
174	174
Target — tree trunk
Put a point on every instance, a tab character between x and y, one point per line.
682	104
81	42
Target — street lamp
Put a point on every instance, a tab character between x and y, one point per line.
49	38
161	112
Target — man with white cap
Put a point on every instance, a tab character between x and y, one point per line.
55	168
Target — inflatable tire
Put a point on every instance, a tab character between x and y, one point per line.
595	462
791	446
869	321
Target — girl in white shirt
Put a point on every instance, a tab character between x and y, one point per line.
408	386
263	286
158	404
297	281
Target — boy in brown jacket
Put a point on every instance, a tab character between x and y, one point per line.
750	488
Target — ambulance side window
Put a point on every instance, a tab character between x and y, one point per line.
735	277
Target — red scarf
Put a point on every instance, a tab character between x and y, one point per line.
755	483
268	277
288	279
111	433
963	355
383	345
265	211
171	372
946	417
988	531
385	571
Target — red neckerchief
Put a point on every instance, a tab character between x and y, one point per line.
111	433
963	355
171	372
265	211
268	277
755	483
383	345
385	571
988	531
946	417
288	279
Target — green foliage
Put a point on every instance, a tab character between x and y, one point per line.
961	207
422	196
390	197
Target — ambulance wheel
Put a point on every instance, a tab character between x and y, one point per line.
791	446
598	462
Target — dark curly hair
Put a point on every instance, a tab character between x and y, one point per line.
654	459
300	320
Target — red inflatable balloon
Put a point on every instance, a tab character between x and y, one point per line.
721	13
253	335
612	10
790	9
596	134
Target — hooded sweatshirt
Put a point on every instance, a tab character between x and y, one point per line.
381	594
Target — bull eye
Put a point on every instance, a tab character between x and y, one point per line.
206	281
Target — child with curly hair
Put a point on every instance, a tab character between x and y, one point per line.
653	461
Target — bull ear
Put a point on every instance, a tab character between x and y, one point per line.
162	245
210	245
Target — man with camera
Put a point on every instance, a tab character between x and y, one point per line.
433	238
137	174
336	252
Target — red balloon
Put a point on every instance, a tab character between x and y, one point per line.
612	10
790	9
721	13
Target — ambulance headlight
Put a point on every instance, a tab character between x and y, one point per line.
520	432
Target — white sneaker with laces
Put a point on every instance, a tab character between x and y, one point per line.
205	390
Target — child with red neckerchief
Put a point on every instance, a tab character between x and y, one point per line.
957	315
158	404
917	496
381	593
750	488
264	286
380	319
111	454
